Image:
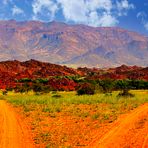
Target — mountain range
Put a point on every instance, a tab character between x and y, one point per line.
72	45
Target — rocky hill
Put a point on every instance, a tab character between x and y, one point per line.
12	71
122	72
62	77
72	45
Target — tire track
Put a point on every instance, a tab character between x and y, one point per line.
13	133
131	131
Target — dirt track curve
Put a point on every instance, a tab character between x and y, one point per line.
13	133
130	131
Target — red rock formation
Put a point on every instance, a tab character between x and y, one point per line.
10	71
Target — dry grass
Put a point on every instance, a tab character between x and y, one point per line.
71	120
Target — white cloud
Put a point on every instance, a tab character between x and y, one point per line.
89	12
123	7
143	18
107	20
124	4
5	2
40	5
99	4
17	11
142	15
94	12
146	25
74	10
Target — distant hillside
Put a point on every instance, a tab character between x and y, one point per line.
12	71
35	69
62	77
122	72
73	45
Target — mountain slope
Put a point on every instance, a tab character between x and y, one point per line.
73	45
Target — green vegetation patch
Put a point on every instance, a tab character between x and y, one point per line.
64	100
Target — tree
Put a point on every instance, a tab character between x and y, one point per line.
124	87
86	88
107	85
39	88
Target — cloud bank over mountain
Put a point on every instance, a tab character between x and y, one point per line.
89	12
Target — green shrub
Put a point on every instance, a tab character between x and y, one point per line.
4	92
107	85
40	88
125	93
86	88
56	96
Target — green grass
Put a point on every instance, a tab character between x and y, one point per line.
109	106
68	98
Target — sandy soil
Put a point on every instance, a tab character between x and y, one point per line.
128	132
13	132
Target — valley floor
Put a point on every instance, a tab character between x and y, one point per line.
67	120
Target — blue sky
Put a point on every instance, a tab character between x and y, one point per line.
129	14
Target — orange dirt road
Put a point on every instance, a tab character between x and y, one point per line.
13	133
130	131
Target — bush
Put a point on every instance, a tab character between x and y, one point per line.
124	87
107	85
40	88
23	80
4	92
56	96
125	94
86	88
